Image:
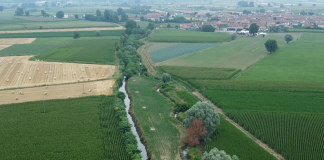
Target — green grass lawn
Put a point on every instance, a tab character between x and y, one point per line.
228	138
179	36
99	50
238	54
298	61
160	54
165	139
70	129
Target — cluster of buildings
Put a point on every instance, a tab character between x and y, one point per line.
237	21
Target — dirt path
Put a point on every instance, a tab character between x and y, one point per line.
147	59
66	30
259	142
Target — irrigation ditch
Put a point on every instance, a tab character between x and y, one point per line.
136	130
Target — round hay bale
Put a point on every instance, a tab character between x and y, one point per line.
37	69
89	79
45	72
11	66
102	75
68	97
74	73
111	86
60	63
81	77
27	71
46	86
54	78
89	90
16	98
10	62
7	80
17	71
45	93
12	92
18	62
29	78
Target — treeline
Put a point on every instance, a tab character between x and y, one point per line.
108	16
142	10
245	4
126	50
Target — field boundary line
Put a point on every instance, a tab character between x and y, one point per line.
247	133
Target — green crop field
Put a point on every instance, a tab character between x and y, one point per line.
81	128
238	54
164	140
287	121
61	34
161	54
178	36
199	72
188	98
298	61
307	30
100	50
228	138
39	46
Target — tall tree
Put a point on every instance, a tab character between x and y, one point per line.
124	17
60	14
208	28
19	11
107	15
251	4
254	28
131	24
26	13
208	15
195	132
150	26
288	38
98	13
207	113
1	8
166	77
120	11
168	14
216	154
76	35
76	16
271	45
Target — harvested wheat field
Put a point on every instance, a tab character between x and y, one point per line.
57	92
17	71
11	41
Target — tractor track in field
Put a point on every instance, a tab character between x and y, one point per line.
255	139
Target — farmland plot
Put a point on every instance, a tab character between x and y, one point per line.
90	50
19	72
160	54
80	128
64	91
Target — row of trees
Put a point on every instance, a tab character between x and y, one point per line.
245	4
108	16
20	12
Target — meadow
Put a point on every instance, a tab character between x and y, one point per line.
238	54
298	61
81	128
203	73
160	54
100	50
181	36
165	139
188	98
234	142
61	34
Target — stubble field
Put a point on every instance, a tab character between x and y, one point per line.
19	72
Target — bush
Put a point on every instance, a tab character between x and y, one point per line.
208	28
166	77
98	34
194	153
76	35
233	37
